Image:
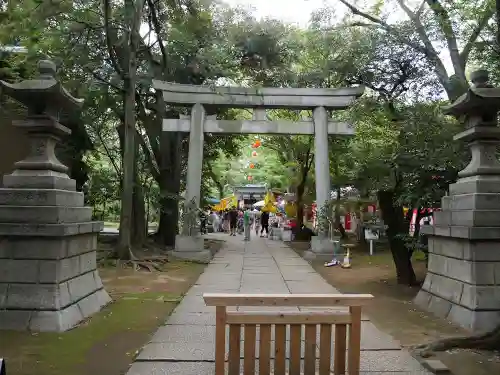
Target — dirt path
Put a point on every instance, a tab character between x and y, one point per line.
394	313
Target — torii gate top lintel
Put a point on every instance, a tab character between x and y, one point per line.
251	97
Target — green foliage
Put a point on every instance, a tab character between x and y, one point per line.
402	141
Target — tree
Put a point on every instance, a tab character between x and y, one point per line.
124	61
295	152
435	21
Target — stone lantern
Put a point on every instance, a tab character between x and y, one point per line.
48	273
463	278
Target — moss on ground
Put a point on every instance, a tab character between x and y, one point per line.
66	353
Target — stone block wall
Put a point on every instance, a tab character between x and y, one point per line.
48	272
463	282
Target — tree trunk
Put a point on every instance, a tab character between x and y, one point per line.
139	227
170	183
299	201
397	227
134	14
220	188
128	163
125	232
301	187
168	226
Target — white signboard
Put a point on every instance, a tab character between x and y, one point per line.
371	235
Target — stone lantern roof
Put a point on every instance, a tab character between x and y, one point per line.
481	99
44	95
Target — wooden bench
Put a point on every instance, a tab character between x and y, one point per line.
280	320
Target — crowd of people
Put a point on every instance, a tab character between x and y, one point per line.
240	221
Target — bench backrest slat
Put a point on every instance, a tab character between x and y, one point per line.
300	329
320	300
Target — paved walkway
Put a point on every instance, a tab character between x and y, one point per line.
185	344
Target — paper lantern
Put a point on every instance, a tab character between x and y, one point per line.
254	153
250	178
252	165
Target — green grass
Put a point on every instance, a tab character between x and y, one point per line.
110	224
66	353
382	257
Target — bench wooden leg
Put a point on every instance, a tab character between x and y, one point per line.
325	349
265	350
220	340
249	349
340	349
234	349
354	352
295	348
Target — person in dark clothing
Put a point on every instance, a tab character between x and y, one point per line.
264	223
233	221
203	222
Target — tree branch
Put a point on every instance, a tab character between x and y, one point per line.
430	51
420	9
103	80
427	49
383	25
483	22
150	158
158	29
447	28
109	42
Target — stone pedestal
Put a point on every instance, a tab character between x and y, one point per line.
191	248
287	236
275	234
321	248
463	277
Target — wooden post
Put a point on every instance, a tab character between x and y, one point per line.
220	339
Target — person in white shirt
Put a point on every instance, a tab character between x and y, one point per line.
215	221
256	220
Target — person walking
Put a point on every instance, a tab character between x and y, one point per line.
215	221
225	221
233	221
256	220
240	225
203	222
264	223
247	222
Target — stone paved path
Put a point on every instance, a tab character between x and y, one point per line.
185	344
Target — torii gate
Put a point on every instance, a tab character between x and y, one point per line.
320	101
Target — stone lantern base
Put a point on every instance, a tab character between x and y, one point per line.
463	277
48	272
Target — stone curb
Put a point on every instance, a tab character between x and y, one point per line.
433	365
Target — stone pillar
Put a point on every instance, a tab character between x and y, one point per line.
190	245
48	273
321	244
463	278
195	156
